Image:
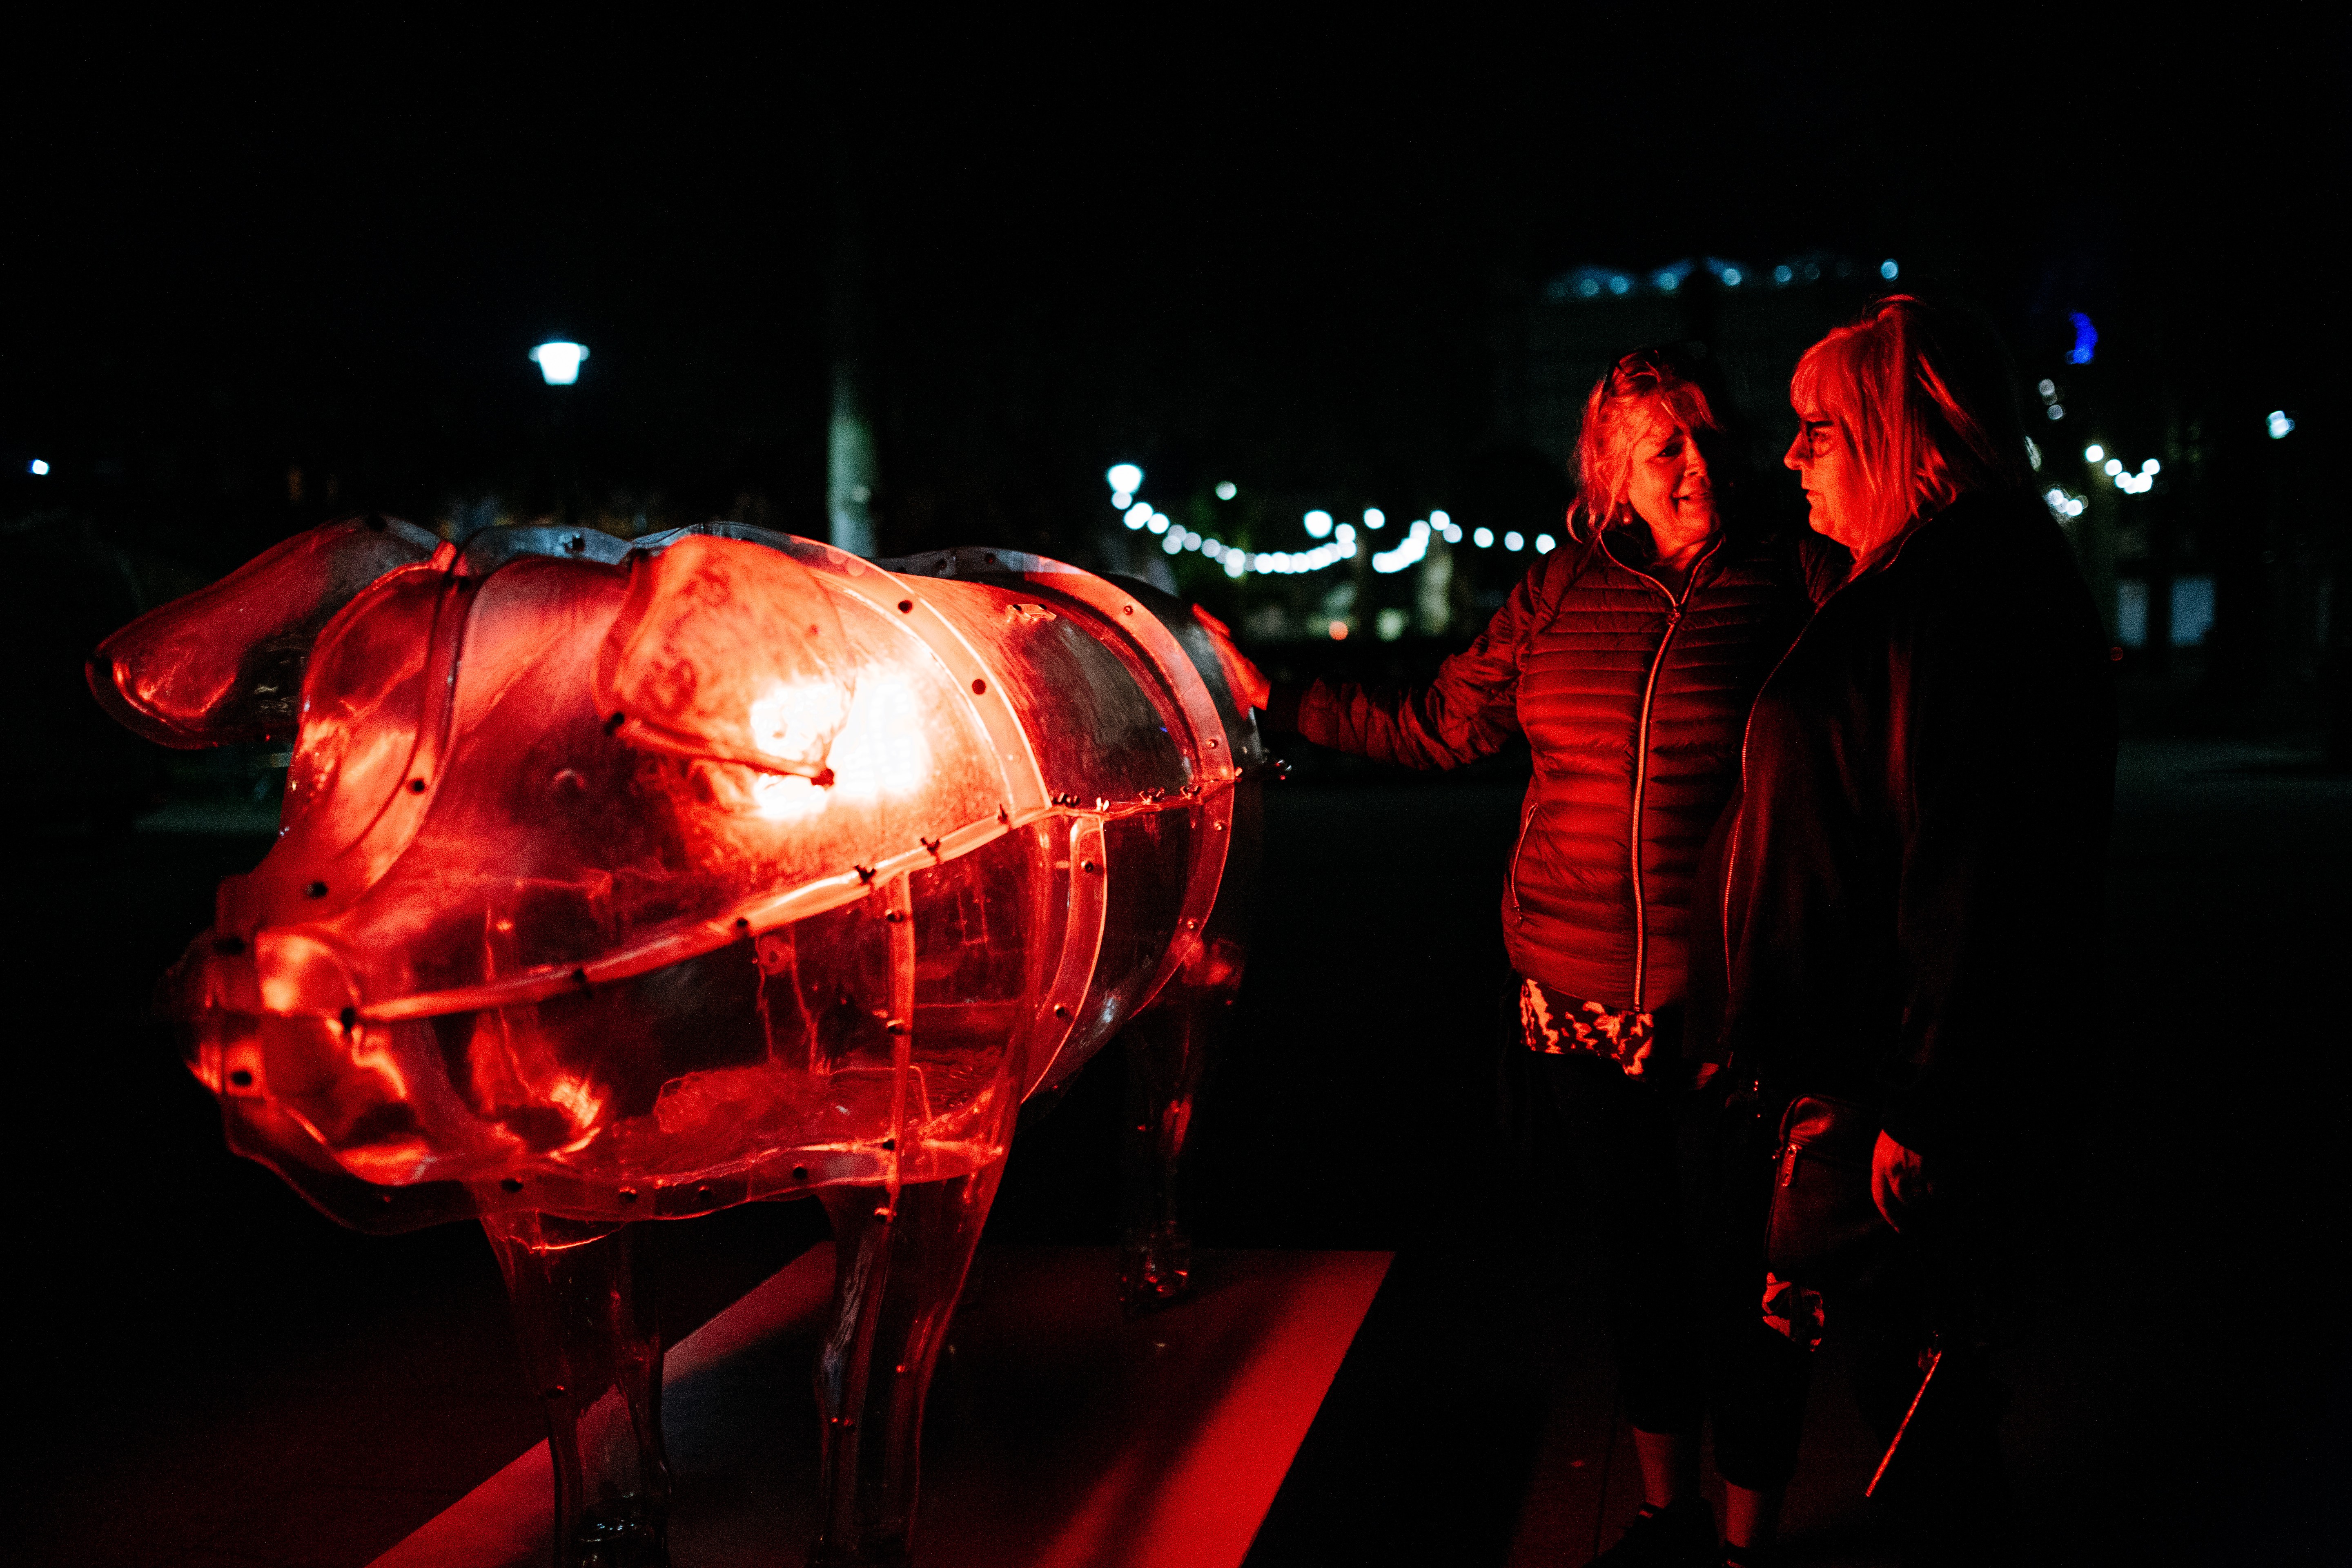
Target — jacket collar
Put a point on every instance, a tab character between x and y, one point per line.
1641	558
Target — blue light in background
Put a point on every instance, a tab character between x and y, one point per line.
2086	337
37	466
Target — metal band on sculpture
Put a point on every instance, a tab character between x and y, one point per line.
1082	936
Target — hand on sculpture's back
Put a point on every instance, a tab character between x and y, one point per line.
1250	687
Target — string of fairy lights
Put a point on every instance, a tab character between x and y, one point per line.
1334	540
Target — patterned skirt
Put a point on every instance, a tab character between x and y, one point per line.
1558	1024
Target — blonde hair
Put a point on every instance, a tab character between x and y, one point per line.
1922	402
1648	384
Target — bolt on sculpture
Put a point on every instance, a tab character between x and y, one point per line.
631	882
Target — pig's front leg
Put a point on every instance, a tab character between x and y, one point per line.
897	1273
591	1348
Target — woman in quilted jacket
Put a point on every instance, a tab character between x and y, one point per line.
1628	658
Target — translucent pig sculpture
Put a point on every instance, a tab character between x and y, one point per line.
622	882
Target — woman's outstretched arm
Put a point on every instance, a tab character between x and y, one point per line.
1467	712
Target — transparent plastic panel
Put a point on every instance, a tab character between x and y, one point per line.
1098	731
363	702
732	651
1147	860
546	839
768	1065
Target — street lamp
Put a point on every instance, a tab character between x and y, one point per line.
559	362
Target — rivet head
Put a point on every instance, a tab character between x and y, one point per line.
317	889
978	687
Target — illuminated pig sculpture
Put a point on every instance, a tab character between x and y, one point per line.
623	882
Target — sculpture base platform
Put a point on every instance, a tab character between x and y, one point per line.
1058	1432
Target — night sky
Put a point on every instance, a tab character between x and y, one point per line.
1272	255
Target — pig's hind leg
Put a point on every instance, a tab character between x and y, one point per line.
591	1348
898	1271
1168	1049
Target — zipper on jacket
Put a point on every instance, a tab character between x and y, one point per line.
1527	821
1642	759
1640	788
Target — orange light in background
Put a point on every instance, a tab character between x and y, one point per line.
1338	631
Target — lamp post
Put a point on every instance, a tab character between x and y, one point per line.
559	361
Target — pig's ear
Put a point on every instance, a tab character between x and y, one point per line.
226	663
729	650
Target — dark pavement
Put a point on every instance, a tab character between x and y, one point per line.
216	1375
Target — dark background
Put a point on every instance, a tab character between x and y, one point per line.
256	279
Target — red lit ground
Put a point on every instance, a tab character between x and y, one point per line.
1059	1435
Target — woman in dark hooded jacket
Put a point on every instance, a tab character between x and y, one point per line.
1911	892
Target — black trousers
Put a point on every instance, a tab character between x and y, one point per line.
1673	1191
